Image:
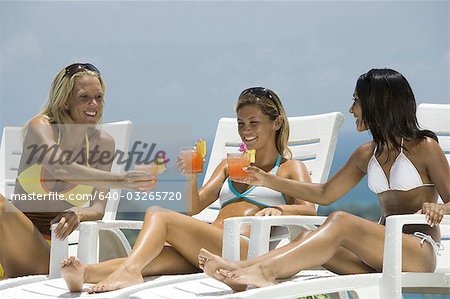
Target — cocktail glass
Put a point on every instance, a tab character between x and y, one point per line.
151	170
237	161
192	160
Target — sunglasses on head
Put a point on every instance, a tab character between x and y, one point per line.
78	67
259	91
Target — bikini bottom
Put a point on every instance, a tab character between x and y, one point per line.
427	238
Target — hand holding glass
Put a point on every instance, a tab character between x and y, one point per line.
237	161
152	171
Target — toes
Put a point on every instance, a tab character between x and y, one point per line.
219	275
204	253
97	288
65	262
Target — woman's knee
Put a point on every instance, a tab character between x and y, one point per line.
340	219
155	211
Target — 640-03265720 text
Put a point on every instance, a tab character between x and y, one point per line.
143	196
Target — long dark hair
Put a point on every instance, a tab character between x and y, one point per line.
388	108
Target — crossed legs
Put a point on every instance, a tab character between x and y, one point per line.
150	254
344	243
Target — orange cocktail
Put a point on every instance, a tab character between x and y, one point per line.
237	161
193	160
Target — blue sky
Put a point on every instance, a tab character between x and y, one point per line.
186	62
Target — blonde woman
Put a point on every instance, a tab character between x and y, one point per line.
49	184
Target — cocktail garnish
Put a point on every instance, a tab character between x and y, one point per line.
200	148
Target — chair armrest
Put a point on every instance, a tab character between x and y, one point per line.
89	230
59	250
87	250
391	281
261	228
260	232
231	237
104	224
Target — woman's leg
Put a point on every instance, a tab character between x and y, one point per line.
344	261
75	273
149	256
15	231
361	237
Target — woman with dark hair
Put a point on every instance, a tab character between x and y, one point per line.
169	242
406	168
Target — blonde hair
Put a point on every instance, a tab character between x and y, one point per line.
55	109
270	105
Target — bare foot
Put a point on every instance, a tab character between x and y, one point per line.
210	263
239	279
122	277
72	270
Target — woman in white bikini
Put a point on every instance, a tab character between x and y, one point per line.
406	168
169	242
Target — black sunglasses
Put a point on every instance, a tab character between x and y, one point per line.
259	91
78	67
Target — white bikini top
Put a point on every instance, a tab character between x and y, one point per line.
402	177
259	195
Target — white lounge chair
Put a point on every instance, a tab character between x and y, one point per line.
10	153
392	281
313	140
388	284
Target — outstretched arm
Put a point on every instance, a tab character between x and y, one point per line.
323	194
40	133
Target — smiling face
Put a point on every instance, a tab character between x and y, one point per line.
85	103
356	110
256	129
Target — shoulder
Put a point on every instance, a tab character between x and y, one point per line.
292	165
38	128
425	147
428	143
102	138
361	156
292	169
364	151
39	120
37	123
